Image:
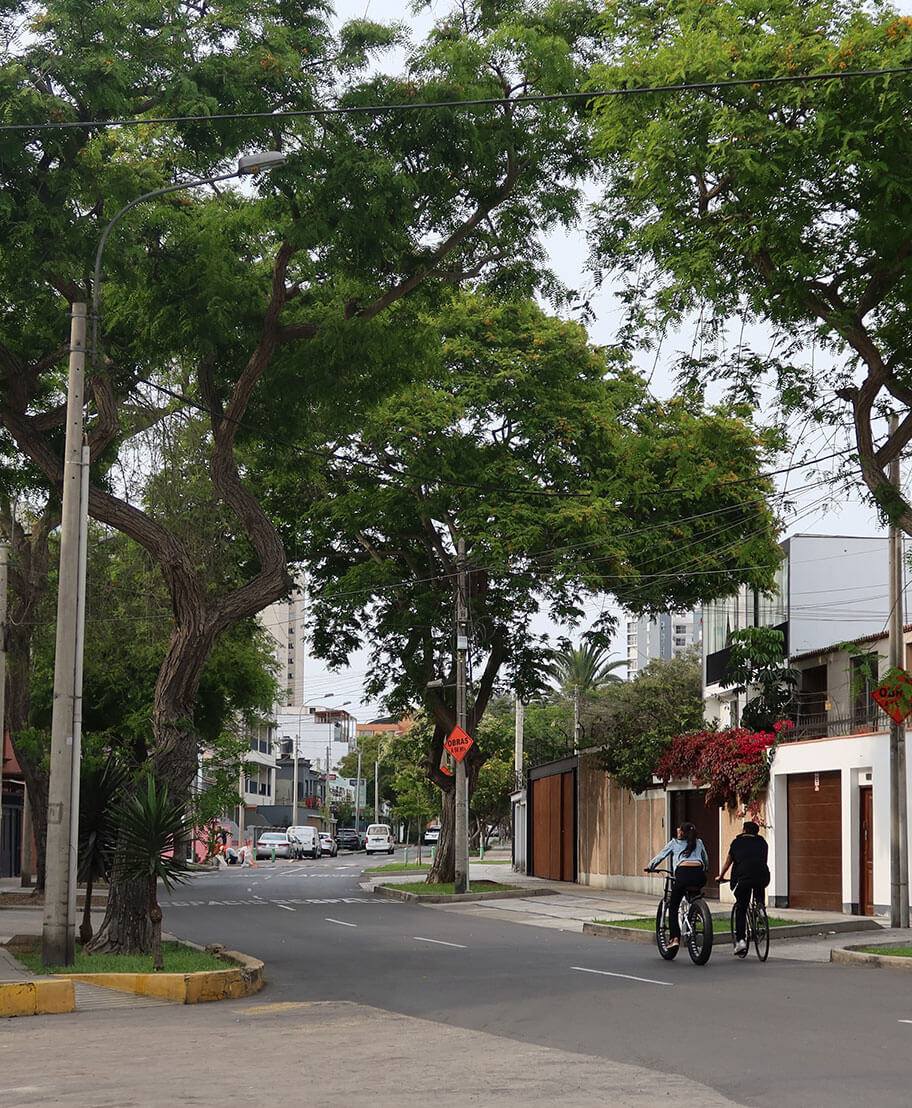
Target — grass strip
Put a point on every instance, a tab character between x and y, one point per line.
400	867
177	959
449	888
721	924
890	951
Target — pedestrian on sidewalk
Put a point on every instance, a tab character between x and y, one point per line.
747	856
689	862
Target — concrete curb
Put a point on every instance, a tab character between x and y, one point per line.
852	956
794	931
36	997
433	898
55	994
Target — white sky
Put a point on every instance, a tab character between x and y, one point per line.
815	512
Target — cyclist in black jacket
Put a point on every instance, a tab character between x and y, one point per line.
750	874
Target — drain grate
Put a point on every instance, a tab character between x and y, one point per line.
95	997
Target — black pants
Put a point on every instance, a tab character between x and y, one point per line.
686	877
743	892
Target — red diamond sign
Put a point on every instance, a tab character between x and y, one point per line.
458	743
894	694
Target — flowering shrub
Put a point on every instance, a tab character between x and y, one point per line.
732	764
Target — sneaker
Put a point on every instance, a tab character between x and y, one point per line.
740	947
672	943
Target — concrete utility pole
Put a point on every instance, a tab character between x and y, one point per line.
518	743
326	793
461	829
59	928
4	555
899	830
358	790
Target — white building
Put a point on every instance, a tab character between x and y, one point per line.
322	735
284	621
663	636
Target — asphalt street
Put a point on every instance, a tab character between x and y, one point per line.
784	1032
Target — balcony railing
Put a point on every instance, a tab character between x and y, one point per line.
827	725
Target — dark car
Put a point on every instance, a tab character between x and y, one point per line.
349	839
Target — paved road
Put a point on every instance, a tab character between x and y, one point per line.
783	1033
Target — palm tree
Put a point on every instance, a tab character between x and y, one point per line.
152	829
101	785
585	668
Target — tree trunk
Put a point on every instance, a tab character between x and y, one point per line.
443	870
126	927
85	928
155	917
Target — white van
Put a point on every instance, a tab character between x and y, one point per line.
308	839
379	839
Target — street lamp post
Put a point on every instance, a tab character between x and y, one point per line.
59	924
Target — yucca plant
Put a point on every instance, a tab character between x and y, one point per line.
101	786
152	827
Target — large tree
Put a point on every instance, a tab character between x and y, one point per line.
565	479
214	299
761	197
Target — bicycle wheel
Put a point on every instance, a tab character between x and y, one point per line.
662	932
761	930
700	939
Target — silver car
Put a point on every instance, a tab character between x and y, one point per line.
274	842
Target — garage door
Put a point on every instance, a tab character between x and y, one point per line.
553	824
815	841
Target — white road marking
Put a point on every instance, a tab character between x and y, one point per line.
340	922
285	906
628	976
439	942
904	1021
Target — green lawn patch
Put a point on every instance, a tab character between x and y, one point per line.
449	888
891	951
721	924
177	959
401	867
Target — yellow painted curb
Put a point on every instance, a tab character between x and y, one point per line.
851	956
242	979
41	996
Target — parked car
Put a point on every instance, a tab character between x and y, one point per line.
431	836
379	839
349	839
328	844
278	842
307	841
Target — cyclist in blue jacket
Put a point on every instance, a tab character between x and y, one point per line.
689	862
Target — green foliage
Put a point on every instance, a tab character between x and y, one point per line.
583	668
785	203
151	830
757	662
634	722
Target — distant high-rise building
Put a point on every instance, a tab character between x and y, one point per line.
284	620
662	636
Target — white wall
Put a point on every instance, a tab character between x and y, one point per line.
855	756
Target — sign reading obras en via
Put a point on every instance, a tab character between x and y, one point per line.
458	743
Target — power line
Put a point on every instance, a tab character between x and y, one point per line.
483	102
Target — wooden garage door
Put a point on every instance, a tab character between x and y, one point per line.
815	841
553	853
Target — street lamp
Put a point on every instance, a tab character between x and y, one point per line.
59	924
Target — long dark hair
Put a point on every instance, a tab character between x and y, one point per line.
690	834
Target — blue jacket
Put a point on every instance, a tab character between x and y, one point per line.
676	848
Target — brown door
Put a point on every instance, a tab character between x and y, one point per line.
553	823
687	806
815	841
866	850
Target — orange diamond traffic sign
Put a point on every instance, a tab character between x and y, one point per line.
458	743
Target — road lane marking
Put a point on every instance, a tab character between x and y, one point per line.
628	976
904	1021
341	922
285	906
439	942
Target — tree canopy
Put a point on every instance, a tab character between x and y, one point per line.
765	197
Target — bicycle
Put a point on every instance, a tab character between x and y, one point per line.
694	917
756	929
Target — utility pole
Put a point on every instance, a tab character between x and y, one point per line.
518	783
899	831
377	786
461	829
326	793
4	555
358	790
59	927
576	717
